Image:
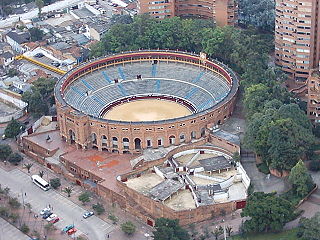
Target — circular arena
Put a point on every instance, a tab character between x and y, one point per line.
146	99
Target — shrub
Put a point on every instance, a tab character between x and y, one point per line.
55	183
24	228
84	197
98	208
128	228
15	158
263	168
113	218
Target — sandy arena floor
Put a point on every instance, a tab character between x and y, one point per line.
147	110
181	201
144	183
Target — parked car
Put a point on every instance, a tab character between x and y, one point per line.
45	210
46	215
87	214
51	217
67	228
54	220
39	55
71	231
54	63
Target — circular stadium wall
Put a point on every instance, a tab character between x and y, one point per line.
145	99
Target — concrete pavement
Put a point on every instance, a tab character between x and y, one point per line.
8	231
20	183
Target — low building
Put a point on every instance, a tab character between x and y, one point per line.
16	39
6	58
313	96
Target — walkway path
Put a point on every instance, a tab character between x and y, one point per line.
8	231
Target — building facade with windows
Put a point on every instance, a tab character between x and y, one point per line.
297	40
223	12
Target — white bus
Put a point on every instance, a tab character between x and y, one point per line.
37	180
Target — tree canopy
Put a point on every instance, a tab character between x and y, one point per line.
36	34
40	97
168	229
301	180
267	212
309	229
258	13
5	151
13	128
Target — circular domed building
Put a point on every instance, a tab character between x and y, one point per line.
146	99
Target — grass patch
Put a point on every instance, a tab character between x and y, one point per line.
263	168
287	235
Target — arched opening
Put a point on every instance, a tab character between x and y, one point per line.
115	151
94	138
193	135
172	140
72	136
182	138
160	142
105	149
219	122
95	147
126	152
104	141
149	143
137	143
125	142
203	132
115	142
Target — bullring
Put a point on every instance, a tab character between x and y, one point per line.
86	94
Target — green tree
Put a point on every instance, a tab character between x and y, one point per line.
15	158
267	212
128	228
39	4
98	208
84	197
229	230
12	72
13	128
255	97
5	151
258	13
4	212
168	229
55	182
300	179
217	232
288	142
309	229
68	190
28	166
36	34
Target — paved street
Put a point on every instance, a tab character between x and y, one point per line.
19	182
7	231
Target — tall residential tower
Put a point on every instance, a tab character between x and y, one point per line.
297	37
223	12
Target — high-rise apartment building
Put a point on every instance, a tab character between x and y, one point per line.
224	12
296	37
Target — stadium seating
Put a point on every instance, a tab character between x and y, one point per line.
92	92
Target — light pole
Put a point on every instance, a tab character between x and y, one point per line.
224	230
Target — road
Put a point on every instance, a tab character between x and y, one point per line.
34	13
19	182
7	231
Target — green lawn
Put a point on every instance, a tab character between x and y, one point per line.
288	235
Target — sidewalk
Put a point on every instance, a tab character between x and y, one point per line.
116	234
